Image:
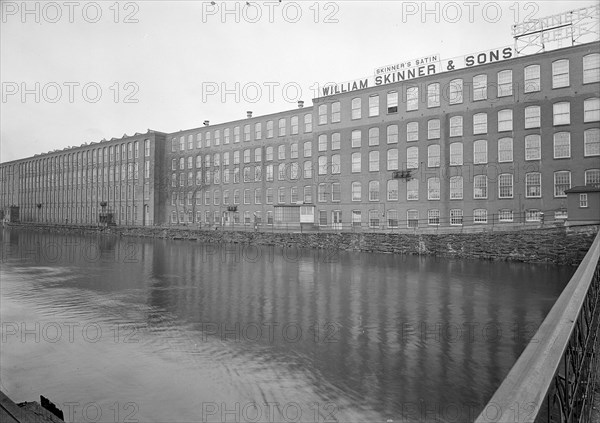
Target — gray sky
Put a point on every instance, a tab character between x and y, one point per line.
166	67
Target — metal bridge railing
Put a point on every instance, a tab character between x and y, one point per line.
554	378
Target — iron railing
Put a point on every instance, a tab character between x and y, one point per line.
554	378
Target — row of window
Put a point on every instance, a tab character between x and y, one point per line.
376	219
453	93
213	138
332	191
97	156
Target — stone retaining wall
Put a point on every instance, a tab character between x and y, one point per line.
563	246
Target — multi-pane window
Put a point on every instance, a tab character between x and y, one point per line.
456	91
335	164
307	169
207	139
258	153
562	145
392	190
480	216
480	184
356	191
392	102
356	108
533	147
356	218
456	188
505	150
281	194
336	194
308	149
456	126
236	134
479	123
246	132
308	123
269	153
479	87
294	125
505	215
560	73
294	150
374	161
412	131
533	185
433	217
505	85
356	162
456	217
532	79
199	140
269	196
281	125
356	138
373	218
412	218
307	194
392	134
374	191
322	142
236	157
583	200
561	113
322	165
412	190
505	185
392	218
257	131
592	177
505	120
433	94
281	152
293	195
335	141
433	129
591	142
456	154
373	136
433	155
412	157
532	215
532	117
269	129
591	110
392	159
412	98
336	115
322	114
373	105
181	146
591	68
226	136
433	188
247	156
562	182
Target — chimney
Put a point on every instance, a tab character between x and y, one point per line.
300	104
249	113
206	123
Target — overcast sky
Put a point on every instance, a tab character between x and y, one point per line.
163	64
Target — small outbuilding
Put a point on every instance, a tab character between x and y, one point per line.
583	205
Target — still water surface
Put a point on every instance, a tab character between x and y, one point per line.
123	329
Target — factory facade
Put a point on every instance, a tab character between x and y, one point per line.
498	140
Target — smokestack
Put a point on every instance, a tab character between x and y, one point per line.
249	113
206	123
300	104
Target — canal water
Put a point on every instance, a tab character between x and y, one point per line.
125	329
